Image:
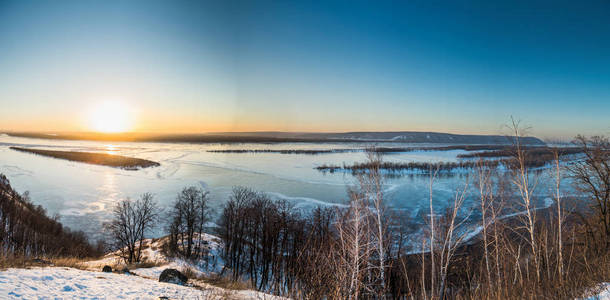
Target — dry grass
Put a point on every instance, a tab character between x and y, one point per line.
21	262
223	282
145	264
15	262
70	262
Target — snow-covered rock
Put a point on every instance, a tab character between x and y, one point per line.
172	276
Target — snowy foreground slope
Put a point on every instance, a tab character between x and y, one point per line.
88	282
69	283
57	282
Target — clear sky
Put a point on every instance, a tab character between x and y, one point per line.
195	66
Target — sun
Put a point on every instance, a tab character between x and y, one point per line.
110	117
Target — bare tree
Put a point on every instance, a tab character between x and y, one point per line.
187	219
354	245
522	179
560	217
486	196
371	186
496	203
592	177
432	236
445	236
451	237
131	221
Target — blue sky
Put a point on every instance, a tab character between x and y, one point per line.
194	66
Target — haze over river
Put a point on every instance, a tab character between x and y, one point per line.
84	194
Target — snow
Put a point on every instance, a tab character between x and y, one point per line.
602	292
152	253
69	283
477	230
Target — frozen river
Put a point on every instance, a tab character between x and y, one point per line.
83	194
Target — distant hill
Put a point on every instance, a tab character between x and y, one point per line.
391	136
425	137
280	137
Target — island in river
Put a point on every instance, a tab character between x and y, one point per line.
111	160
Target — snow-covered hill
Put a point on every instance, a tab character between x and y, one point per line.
153	255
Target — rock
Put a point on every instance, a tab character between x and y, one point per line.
107	269
41	261
173	276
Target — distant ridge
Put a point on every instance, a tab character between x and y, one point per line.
426	137
281	137
390	136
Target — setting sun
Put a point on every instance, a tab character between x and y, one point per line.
110	117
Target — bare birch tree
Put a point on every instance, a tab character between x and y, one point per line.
371	186
354	245
485	194
452	237
446	236
560	217
432	234
526	186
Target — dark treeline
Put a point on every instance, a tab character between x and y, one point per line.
187	218
547	153
374	149
286	151
492	147
403	166
26	231
534	157
282	251
443	148
262	240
